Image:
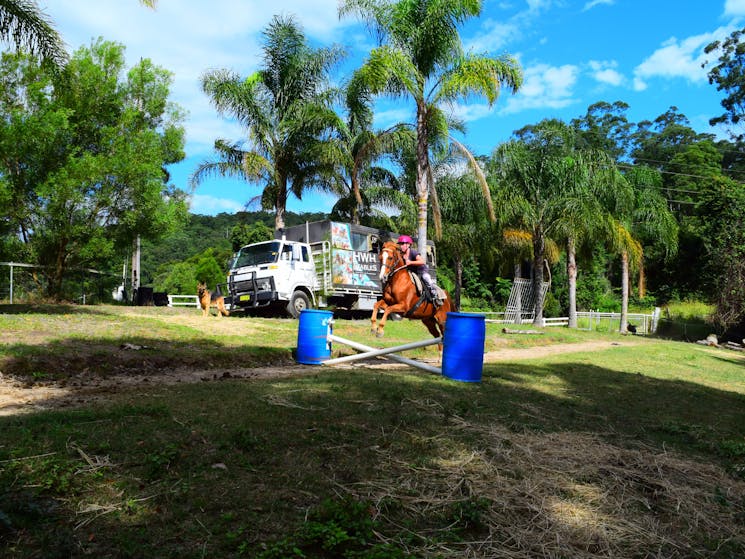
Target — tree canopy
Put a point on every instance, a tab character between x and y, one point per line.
82	156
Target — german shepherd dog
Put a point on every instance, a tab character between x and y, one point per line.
208	299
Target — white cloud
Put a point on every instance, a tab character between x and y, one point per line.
493	36
189	37
471	111
538	5
678	59
590	5
605	72
734	8
388	117
210	205
544	86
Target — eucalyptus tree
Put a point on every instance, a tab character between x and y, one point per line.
82	154
29	28
285	108
605	127
728	74
420	56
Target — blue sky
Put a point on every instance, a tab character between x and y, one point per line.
647	53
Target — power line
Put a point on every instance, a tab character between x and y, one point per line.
632	165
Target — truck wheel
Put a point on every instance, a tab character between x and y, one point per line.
299	302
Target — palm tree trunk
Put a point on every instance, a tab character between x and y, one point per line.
357	196
539	249
280	206
642	286
458	263
572	276
624	291
422	176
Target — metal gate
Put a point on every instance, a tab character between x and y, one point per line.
521	305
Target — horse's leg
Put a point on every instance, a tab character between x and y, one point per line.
398	307
374	318
436	329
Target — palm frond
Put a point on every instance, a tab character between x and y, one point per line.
25	25
480	75
478	172
390	71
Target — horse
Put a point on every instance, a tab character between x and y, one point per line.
400	296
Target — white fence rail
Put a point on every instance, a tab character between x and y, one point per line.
592	320
183	301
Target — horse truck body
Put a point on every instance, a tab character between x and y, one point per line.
318	264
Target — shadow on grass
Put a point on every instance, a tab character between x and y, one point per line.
53	309
86	359
578	395
497	463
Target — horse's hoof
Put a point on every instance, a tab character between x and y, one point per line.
379	334
374	332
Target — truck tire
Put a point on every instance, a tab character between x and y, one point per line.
298	302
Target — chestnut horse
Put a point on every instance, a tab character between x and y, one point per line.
400	296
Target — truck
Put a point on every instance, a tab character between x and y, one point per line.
315	265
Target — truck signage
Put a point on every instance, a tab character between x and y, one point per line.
353	264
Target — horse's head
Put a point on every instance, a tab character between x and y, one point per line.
390	259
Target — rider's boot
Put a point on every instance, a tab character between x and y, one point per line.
435	295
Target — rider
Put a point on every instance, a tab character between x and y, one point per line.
416	262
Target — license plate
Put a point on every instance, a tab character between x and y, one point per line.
244	298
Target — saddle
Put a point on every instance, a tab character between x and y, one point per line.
424	293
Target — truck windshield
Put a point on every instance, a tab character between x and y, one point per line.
263	253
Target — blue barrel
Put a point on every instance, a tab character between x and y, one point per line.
312	344
463	346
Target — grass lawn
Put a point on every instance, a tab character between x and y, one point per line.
630	447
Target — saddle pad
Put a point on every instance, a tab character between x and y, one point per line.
417	282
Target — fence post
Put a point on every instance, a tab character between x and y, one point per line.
655	319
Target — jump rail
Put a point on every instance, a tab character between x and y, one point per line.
389	352
183	301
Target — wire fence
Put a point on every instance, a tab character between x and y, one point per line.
27	283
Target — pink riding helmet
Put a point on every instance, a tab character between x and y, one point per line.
405	239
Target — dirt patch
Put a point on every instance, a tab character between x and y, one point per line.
509	354
19	396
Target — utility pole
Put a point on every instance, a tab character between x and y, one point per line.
136	269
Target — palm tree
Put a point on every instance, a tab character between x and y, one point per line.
286	110
358	148
602	194
421	56
537	190
24	24
466	224
648	217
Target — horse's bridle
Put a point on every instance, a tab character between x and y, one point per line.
384	266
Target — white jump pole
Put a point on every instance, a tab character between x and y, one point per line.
389	352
